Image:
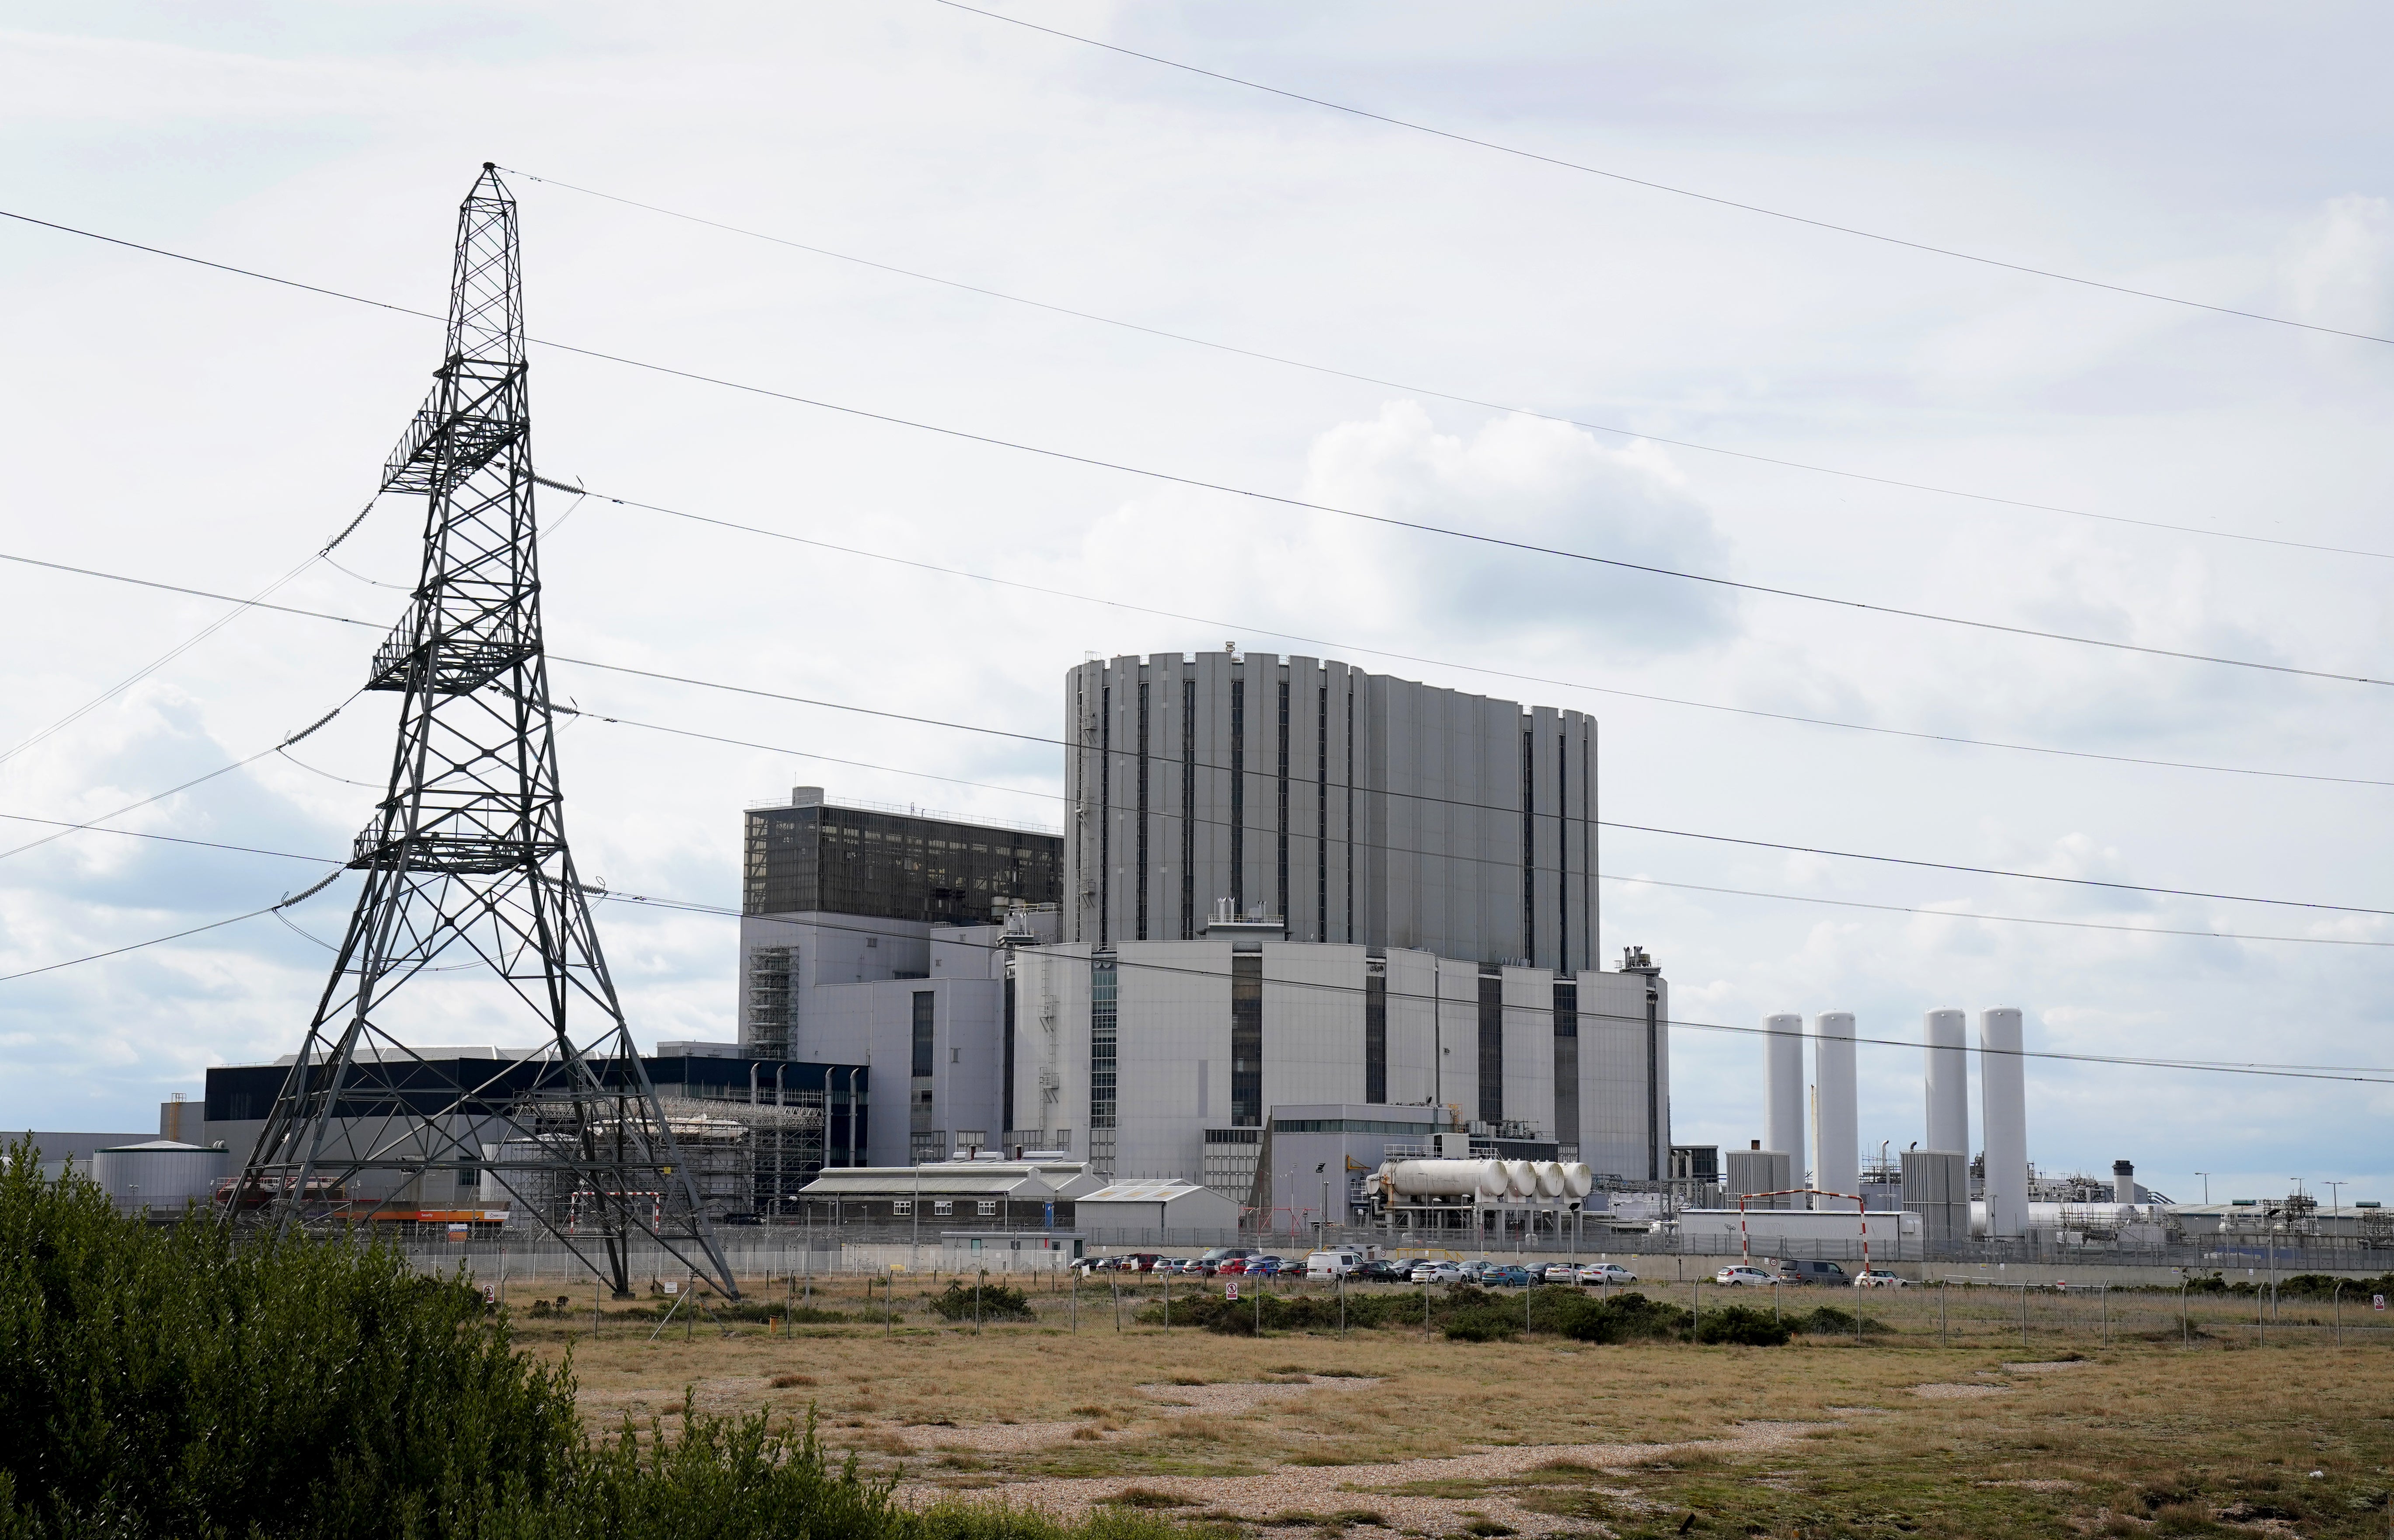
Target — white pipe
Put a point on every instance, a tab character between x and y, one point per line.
1783	1091
1836	1134
1946	1070
2003	1114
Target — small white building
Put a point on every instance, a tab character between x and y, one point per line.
1156	1206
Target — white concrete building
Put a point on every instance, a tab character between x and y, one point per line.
1152	1058
1356	808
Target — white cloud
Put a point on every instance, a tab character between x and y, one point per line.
2341	271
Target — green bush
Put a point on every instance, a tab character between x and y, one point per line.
181	1382
1742	1324
1629	1317
996	1302
1829	1321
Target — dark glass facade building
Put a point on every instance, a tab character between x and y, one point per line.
897	866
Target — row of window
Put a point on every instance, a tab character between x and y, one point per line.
944	1207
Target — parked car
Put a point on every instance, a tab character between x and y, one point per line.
1611	1273
1269	1265
1212	1262
1511	1276
1828	1273
1472	1270
1741	1276
1435	1272
1879	1278
1383	1271
1559	1272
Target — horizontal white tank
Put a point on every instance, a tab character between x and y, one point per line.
1446	1179
1579	1179
1520	1178
1551	1177
159	1174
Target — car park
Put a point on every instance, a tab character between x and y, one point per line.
1741	1276
1213	1261
1436	1272
1879	1278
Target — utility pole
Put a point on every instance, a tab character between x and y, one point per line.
465	859
2206	1188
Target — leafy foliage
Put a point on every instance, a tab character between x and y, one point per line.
181	1381
1742	1324
991	1302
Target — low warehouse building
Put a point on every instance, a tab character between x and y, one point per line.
1158	1208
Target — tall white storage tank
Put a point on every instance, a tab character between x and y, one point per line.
1836	1143
1946	1070
1783	1086
2005	1114
159	1174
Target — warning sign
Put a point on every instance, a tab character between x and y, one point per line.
1230	1292
2376	1301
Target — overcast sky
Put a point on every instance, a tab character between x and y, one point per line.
168	422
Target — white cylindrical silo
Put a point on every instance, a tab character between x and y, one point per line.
1521	1180
1551	1177
1837	1138
1579	1180
2004	1116
1946	1070
1446	1179
1782	1086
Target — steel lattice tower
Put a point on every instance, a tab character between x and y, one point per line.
467	867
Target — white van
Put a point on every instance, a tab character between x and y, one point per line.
1332	1264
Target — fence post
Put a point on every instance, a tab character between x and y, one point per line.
2024	1315
2103	1301
2185	1333
2337	1302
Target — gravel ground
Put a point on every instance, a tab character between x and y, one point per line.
1327	1490
1958	1393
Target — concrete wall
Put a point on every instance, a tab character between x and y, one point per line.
1408	796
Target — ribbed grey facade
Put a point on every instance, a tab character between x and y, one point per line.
1354	807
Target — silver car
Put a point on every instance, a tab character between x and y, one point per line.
1606	1272
1744	1277
1437	1272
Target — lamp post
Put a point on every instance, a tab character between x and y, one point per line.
2206	1187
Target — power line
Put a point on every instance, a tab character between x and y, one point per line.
1418	797
1199	483
1662	187
919	719
287	901
66	826
1244	629
1642	881
1335	373
2363	1073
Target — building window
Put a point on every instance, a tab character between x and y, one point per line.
1566	1063
1491	1048
1239	796
1102	1022
902	1207
1188	809
942	1207
1141	931
925	1004
1376	1030
1246	1039
1279	860
987	1207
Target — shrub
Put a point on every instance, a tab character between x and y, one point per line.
1629	1317
1829	1321
192	1381
1742	1324
996	1302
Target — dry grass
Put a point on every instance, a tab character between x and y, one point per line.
2142	1437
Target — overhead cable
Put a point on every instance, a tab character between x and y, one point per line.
1664	187
285	902
1460	399
1240	627
1199	483
2370	1074
1044	738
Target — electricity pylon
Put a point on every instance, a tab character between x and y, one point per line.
470	884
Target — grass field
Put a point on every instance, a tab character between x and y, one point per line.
2169	1427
